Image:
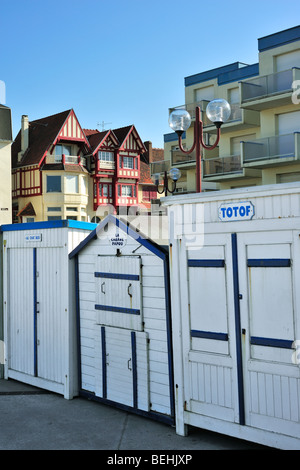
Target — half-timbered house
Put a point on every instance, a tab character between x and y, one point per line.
62	171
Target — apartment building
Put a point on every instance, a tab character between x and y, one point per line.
260	143
62	171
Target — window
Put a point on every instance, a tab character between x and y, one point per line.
72	209
53	184
149	193
54	217
106	156
127	190
54	209
128	162
29	219
84	187
105	190
71	184
62	150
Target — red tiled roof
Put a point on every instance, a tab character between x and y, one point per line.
145	177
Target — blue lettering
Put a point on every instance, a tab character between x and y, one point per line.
248	210
223	211
229	212
235	209
242	211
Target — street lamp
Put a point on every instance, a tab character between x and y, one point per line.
217	111
162	179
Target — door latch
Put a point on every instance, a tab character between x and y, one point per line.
129	290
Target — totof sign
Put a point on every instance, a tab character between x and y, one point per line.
118	241
33	238
233	211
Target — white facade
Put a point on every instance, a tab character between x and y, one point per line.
39	304
125	355
235	272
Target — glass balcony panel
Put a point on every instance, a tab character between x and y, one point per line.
160	167
280	146
259	87
180	158
222	165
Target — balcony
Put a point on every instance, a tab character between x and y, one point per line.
66	159
269	91
182	160
106	165
160	167
272	151
221	168
239	119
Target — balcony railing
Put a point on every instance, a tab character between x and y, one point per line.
160	167
71	159
107	165
180	158
276	147
268	85
222	165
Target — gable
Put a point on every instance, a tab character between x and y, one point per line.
130	140
101	232
71	129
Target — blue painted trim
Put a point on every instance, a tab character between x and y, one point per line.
206	263
278	39
51	224
210	74
77	312
110	308
134	370
238	75
169	335
142	239
128	277
209	335
269	263
35	361
238	335
104	372
173	137
272	342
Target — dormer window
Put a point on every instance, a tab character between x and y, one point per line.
62	150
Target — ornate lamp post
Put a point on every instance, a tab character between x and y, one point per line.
218	111
162	179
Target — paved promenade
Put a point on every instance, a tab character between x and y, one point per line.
34	419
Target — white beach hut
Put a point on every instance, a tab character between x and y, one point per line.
39	303
123	311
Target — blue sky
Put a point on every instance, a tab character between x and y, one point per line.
123	62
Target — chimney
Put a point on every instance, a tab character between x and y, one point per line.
24	133
148	146
24	136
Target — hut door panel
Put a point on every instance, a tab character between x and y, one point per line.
51	316
21	310
269	265
122	366
211	379
118	291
